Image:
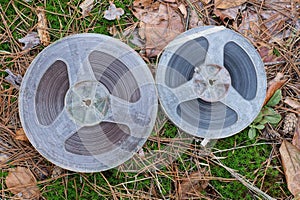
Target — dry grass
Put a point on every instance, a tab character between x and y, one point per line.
18	18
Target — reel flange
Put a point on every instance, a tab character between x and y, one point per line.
88	102
211	82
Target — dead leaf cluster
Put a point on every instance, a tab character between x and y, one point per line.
263	22
160	22
21	182
192	185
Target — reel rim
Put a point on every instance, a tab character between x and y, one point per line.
26	90
164	90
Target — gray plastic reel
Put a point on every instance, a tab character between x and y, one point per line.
211	82
88	102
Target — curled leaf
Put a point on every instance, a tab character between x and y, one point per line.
20	181
13	79
276	84
20	135
113	12
224	4
296	138
290	157
86	7
294	104
30	40
42	26
183	10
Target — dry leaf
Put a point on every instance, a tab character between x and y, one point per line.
296	138
194	183
13	79
183	10
20	181
113	13
206	1
30	40
150	13
229	13
276	84
224	4
3	157
267	55
86	7
170	1
250	26
42	26
158	27
20	135
194	20
275	23
294	104
56	172
290	157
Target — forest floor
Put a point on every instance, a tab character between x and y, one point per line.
260	162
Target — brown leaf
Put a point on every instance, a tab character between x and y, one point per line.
183	10
30	40
113	12
56	172
20	135
290	157
276	84
20	181
169	1
194	183
294	104
229	13
195	21
296	138
275	23
42	26
86	7
158	28
250	26
224	4
266	53
205	1
150	13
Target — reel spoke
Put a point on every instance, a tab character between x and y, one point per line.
63	125
134	115
235	101
79	67
186	92
215	51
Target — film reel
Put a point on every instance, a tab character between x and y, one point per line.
88	102
211	82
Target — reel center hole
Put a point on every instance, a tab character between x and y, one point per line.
211	82
87	102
